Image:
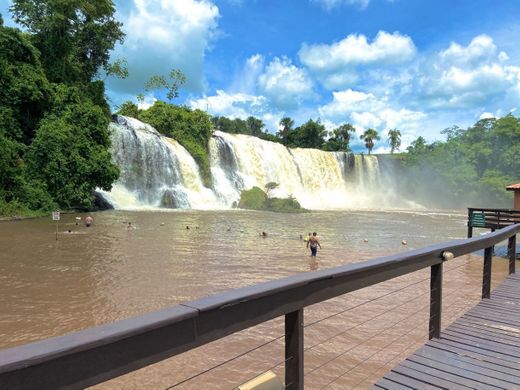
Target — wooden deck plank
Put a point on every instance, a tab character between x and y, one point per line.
483	333
427	378
415	384
487	327
472	354
480	350
465	370
446	375
442	356
391	385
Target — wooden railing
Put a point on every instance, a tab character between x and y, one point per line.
491	218
95	355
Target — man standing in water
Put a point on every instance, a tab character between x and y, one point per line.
314	243
88	221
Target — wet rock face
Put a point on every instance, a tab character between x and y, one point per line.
169	200
100	203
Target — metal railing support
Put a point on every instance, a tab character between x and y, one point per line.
435	301
511	253
294	350
486	274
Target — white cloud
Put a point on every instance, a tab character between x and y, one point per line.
365	110
466	77
147	102
238	105
385	49
330	4
487	115
286	85
166	34
247	78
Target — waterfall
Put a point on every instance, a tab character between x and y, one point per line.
157	171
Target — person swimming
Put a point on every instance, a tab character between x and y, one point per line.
89	221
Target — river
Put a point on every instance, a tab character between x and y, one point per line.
107	272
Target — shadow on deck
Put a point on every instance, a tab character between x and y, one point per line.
480	350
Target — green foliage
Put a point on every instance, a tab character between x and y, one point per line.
24	91
472	167
70	151
191	128
394	139
284	205
310	135
256	199
176	80
119	69
369	136
54	140
74	37
130	109
339	139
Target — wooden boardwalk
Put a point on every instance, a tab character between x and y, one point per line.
480	350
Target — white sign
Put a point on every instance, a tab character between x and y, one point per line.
55	215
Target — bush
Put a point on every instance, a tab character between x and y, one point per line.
256	199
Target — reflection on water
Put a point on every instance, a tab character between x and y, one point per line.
108	272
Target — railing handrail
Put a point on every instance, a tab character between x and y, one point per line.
94	355
512	211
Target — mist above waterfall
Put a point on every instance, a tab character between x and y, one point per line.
158	172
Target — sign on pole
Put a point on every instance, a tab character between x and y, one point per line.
56	217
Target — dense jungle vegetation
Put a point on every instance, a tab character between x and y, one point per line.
54	138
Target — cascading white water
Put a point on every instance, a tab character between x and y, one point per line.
158	172
155	171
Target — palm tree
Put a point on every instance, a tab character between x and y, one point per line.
285	130
369	136
394	139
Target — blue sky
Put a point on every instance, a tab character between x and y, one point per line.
417	65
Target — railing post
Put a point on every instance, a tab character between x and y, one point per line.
486	274
294	350
511	252
470	228
435	301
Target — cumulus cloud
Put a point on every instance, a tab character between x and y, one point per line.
365	110
336	64
463	77
166	34
238	105
286	85
385	49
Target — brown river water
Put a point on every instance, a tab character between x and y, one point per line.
107	272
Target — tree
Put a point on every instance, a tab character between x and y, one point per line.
340	138
74	37
119	68
254	126
270	187
176	80
369	136
310	135
285	131
70	152
24	91
394	139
